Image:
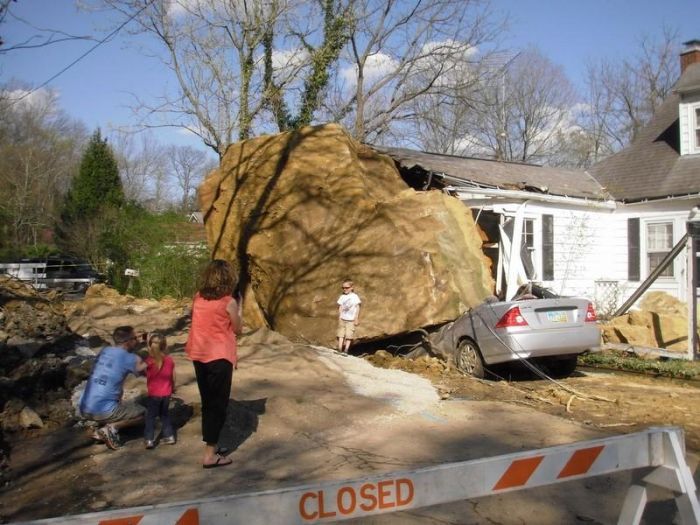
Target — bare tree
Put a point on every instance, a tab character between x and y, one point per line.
445	120
40	37
623	95
189	167
537	102
400	51
517	112
232	80
39	153
142	162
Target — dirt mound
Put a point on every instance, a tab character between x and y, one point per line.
104	308
297	213
29	319
426	365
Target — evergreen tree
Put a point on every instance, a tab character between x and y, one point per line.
97	184
94	192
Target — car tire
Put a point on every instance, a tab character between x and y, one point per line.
467	358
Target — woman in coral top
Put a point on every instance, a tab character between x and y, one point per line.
211	346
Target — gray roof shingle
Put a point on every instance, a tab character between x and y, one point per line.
505	175
652	167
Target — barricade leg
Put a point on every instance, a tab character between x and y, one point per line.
633	506
674	475
687	501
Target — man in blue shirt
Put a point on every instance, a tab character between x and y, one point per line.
102	398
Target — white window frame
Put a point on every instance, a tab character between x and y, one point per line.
646	253
536	248
695	128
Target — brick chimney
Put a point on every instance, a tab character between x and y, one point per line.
690	54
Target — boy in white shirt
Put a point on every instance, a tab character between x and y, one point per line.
348	316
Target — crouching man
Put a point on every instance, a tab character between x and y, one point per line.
102	398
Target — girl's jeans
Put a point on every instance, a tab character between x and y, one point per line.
158	407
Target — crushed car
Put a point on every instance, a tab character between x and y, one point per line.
536	325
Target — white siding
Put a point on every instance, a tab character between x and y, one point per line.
686	116
590	249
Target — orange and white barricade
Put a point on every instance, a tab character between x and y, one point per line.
662	448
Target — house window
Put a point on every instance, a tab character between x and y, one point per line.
528	239
659	243
527	247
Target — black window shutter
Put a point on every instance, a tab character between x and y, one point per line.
633	271
547	247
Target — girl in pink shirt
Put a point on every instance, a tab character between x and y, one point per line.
160	380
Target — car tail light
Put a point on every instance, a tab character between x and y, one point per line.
512	317
591	317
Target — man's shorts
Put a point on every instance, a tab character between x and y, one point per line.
125	410
346	329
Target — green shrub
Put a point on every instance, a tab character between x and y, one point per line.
171	270
677	368
152	244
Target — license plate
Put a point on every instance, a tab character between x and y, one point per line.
557	317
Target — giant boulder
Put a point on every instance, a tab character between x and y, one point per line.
299	212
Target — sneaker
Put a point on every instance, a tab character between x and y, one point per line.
170	440
110	437
150	444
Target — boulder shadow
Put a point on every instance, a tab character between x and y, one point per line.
241	422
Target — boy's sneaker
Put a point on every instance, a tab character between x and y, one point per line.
109	436
150	444
170	440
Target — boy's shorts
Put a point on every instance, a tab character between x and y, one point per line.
125	410
346	329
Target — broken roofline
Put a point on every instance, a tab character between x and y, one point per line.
462	186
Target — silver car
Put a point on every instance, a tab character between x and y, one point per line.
552	331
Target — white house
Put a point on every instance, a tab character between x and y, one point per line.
598	233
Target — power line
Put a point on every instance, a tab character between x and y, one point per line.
98	44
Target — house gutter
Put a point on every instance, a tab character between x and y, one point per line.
687	197
526	195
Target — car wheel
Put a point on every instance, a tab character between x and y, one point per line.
562	367
468	358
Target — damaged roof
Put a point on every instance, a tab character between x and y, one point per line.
500	174
652	166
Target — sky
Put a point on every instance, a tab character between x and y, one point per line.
99	88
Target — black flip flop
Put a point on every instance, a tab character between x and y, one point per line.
220	462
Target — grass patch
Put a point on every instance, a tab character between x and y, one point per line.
675	368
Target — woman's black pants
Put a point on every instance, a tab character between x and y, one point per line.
214	381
